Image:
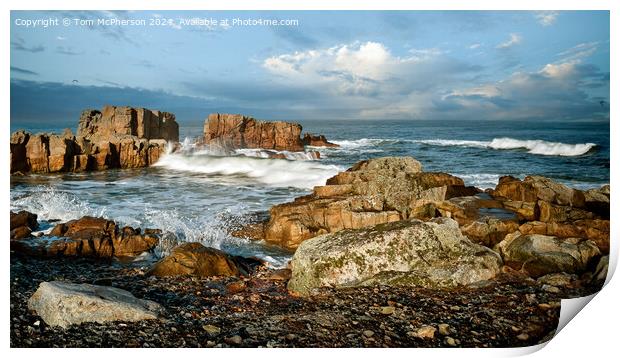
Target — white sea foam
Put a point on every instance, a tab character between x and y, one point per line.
52	204
481	180
261	153
363	142
271	172
534	146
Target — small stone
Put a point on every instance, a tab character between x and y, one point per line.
234	340
523	337
387	310
290	337
210	344
37	323
211	329
368	333
444	329
426	332
450	341
544	306
550	289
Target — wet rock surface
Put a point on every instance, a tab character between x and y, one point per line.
508	312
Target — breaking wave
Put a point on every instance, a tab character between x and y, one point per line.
535	146
270	172
51	204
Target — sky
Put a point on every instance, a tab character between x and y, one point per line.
370	65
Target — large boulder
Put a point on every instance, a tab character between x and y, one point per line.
63	304
534	188
596	230
430	254
234	131
539	255
196	260
372	192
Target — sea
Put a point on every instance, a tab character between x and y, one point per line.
198	196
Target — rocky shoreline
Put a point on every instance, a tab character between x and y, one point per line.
385	253
259	311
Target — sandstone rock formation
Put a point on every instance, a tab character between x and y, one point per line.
317	141
90	237
139	122
22	224
553	209
232	131
224	132
372	192
196	260
410	252
63	304
116	137
538	255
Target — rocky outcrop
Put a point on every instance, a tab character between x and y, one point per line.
22	224
596	230
539	255
312	140
90	237
194	259
63	304
430	254
481	218
372	192
233	131
226	132
127	121
116	137
549	208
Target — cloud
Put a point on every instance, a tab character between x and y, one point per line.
19	44
556	91
60	38
579	52
474	46
363	69
113	32
515	39
68	51
546	18
145	64
23	71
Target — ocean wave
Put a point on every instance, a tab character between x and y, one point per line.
52	204
270	172
363	142
266	154
533	146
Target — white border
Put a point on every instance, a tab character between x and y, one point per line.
592	332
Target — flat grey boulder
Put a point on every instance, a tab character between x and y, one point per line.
64	303
430	254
